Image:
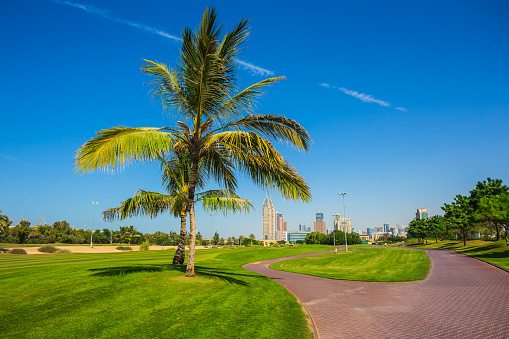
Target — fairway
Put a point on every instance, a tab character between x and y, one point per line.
139	294
494	252
363	263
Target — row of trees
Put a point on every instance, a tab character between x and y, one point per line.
337	237
485	208
61	232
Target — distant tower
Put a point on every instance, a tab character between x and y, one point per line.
269	220
336	221
422	213
342	224
280	226
386	228
320	223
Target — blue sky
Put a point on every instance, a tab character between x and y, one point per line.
407	102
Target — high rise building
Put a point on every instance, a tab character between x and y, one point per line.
279	226
342	224
386	227
371	231
422	213
319	223
269	220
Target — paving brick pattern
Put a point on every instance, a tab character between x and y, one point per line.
461	298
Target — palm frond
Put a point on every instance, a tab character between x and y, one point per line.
277	127
245	100
167	87
224	201
147	204
117	146
259	160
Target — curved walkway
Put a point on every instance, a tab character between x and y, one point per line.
461	298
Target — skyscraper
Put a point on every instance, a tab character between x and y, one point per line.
386	227
280	226
422	213
342	224
269	220
319	223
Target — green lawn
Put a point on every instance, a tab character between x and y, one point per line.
139	294
363	263
492	251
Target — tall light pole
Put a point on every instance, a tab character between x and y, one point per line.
234	244
93	219
344	218
210	244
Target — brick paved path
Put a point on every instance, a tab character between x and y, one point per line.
461	298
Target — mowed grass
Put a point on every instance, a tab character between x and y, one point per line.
363	263
141	295
495	252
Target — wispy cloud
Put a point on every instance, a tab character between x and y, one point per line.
253	69
18	161
362	96
105	14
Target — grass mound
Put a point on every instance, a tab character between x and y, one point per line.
494	252
63	251
18	251
124	248
48	249
363	263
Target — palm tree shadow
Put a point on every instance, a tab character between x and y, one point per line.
200	271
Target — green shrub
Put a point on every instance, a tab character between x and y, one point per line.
18	251
145	246
124	248
63	251
48	249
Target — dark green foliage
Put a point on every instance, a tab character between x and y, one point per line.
18	251
124	248
48	249
337	237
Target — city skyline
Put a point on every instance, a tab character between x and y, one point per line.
394	108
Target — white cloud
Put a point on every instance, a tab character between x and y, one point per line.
256	70
362	96
365	97
105	14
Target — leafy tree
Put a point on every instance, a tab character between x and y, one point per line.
216	239
459	216
218	125
21	231
487	188
495	210
4	226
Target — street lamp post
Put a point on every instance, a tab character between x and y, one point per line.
210	244
344	218
93	219
234	243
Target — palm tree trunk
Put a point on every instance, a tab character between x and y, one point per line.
193	175
180	254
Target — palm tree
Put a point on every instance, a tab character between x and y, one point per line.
252	236
174	179
218	126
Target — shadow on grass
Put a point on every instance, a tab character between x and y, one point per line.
200	271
